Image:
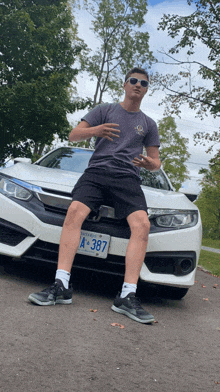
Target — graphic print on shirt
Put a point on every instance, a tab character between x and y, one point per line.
139	130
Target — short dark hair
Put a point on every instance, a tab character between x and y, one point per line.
136	70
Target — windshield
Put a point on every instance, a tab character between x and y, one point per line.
77	159
156	179
65	158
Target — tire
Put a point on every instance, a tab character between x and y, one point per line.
170	292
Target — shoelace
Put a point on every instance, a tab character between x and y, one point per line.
52	289
136	303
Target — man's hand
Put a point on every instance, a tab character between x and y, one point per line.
107	131
84	131
148	163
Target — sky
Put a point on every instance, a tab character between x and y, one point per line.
155	2
188	124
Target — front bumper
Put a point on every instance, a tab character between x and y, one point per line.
39	241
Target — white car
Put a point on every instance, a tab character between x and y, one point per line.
34	199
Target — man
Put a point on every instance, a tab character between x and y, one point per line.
122	130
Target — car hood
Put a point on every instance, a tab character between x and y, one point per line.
54	179
64	181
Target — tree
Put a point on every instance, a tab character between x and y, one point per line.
202	26
173	152
209	199
116	23
36	69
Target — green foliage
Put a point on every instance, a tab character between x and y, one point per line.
208	201
116	23
203	26
173	152
36	69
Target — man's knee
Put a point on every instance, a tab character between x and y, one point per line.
139	223
77	213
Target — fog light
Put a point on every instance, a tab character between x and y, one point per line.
186	265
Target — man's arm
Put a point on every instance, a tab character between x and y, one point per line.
84	131
151	161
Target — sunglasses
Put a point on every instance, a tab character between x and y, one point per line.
144	83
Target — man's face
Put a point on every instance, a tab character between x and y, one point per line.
135	91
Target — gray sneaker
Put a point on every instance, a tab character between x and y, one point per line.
55	294
131	307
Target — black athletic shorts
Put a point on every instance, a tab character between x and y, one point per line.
122	192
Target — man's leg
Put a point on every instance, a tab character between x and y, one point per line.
69	240
136	249
60	292
70	236
127	303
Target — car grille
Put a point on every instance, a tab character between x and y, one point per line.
56	210
56	204
182	263
44	252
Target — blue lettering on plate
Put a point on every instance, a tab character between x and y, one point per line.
82	244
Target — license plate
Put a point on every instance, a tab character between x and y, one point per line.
93	244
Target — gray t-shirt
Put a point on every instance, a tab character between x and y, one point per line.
136	130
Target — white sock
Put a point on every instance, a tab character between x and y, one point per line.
64	276
128	288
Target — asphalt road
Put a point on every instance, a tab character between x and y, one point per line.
72	349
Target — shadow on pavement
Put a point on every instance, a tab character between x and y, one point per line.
85	282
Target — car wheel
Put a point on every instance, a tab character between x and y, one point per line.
173	292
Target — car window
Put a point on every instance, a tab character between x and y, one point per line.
154	179
75	160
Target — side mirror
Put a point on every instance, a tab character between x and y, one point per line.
22	160
191	197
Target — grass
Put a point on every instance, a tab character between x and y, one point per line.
210	261
211	243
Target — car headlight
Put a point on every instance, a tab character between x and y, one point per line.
173	219
11	189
